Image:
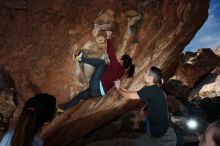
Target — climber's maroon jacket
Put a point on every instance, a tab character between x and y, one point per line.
113	71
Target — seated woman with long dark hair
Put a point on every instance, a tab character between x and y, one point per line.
38	110
104	75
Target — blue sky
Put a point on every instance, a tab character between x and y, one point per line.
209	34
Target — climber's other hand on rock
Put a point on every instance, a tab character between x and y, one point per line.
108	33
117	84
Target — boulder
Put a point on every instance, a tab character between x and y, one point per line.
39	38
177	89
7	108
193	66
208	87
217	51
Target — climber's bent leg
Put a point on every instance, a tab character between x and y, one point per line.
96	62
81	96
94	83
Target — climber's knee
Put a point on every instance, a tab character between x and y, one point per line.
95	93
102	63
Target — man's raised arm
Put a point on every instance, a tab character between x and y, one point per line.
124	92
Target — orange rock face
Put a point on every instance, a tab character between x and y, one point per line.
38	40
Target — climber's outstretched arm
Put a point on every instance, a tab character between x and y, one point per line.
110	49
126	93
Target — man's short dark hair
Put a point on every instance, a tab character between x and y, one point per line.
156	73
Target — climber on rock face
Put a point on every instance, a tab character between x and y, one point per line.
159	130
104	75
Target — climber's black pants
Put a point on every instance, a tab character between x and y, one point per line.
94	84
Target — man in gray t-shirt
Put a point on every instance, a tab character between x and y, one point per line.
158	116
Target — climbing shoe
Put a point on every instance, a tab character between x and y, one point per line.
60	111
79	56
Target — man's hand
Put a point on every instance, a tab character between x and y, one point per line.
143	112
117	84
124	92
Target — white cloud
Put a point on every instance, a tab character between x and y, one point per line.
206	39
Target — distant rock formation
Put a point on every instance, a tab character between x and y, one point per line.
217	51
177	89
197	73
194	66
209	86
196	77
